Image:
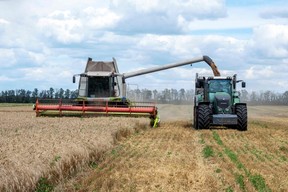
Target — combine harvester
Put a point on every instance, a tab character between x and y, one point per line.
102	91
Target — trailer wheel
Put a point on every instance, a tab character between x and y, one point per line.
241	112
203	114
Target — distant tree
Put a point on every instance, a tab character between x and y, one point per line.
253	97
61	93
285	98
147	94
155	94
67	94
74	94
22	94
35	93
27	98
56	94
43	94
4	95
51	93
182	94
11	96
244	95
166	95
190	95
174	94
138	95
267	97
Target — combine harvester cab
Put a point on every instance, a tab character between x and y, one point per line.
100	92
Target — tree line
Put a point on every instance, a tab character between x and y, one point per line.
169	96
183	96
27	96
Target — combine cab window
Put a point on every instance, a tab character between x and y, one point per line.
220	85
99	87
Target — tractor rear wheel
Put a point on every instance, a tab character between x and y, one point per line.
203	114
241	112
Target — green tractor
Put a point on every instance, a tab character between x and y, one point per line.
217	103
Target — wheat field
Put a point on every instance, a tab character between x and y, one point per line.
123	154
54	148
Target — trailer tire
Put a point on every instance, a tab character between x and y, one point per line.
203	114
241	112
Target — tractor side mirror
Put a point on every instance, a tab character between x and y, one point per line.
243	84
74	79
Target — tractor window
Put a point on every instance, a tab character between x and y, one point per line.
220	85
99	87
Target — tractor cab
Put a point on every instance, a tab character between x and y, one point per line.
220	85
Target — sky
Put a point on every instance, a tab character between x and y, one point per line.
44	43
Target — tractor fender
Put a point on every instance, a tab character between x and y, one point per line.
202	103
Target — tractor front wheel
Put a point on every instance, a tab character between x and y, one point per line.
203	114
241	112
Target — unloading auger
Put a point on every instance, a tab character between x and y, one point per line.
102	91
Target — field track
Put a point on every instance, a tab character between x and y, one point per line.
162	159
172	157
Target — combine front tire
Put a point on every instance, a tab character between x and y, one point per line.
203	115
241	112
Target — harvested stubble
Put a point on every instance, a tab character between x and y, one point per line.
171	157
33	148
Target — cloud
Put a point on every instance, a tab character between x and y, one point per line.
3	21
100	18
256	72
54	72
162	17
62	26
274	13
270	41
236	18
180	47
5	79
7	58
137	5
73	27
209	9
